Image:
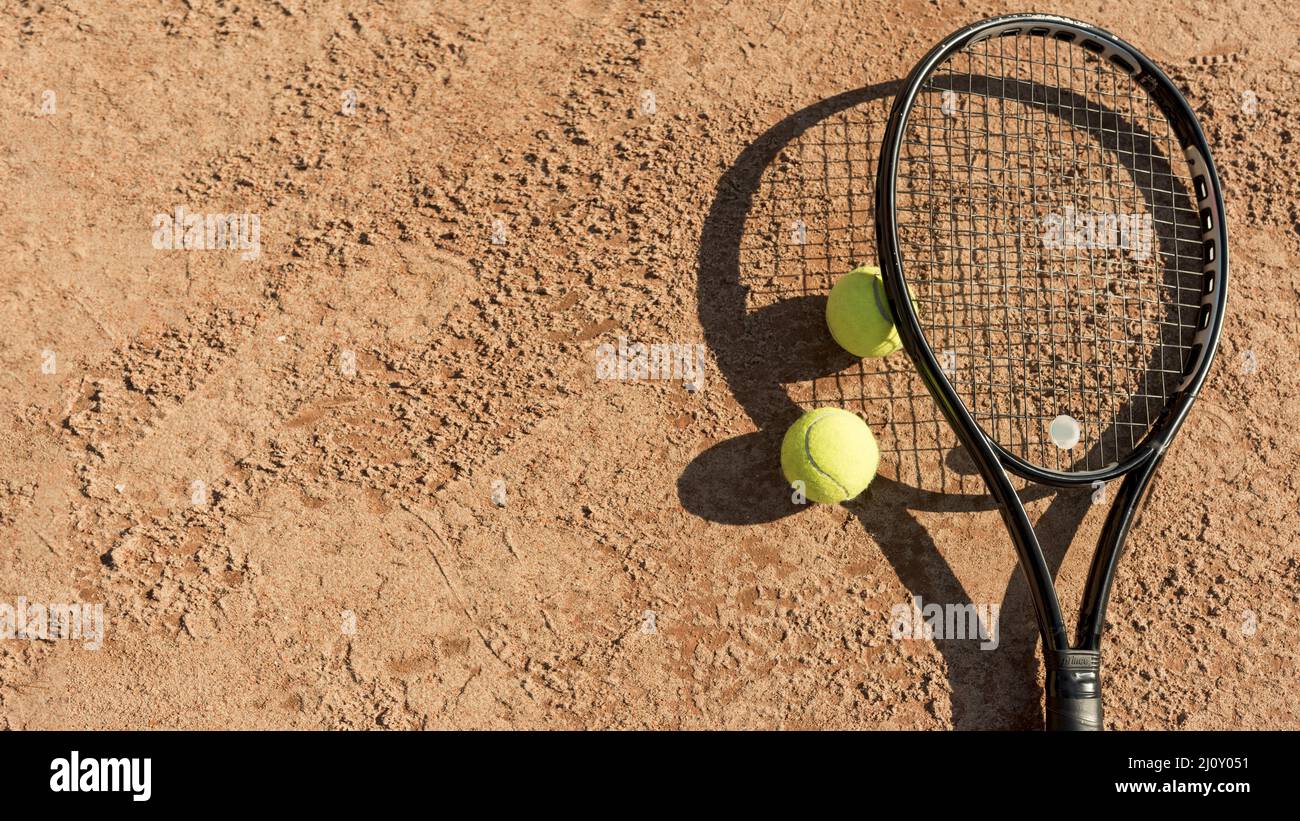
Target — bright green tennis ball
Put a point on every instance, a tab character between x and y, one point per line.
832	452
859	316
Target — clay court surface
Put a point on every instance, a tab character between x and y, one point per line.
371	476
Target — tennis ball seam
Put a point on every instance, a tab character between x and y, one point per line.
807	452
882	304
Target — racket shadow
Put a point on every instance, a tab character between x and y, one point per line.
761	308
993	689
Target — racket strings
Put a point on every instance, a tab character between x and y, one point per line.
1051	244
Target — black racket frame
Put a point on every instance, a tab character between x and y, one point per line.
1073	697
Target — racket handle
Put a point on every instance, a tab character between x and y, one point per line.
1073	690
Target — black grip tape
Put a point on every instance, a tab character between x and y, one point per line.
1073	690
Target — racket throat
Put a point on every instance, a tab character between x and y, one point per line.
1073	690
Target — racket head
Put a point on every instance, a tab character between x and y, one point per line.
1051	232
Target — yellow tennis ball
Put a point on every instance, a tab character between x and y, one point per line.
832	452
859	316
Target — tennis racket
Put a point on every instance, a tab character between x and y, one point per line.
1051	232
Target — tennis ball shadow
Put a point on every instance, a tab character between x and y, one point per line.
734	482
796	344
738	481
